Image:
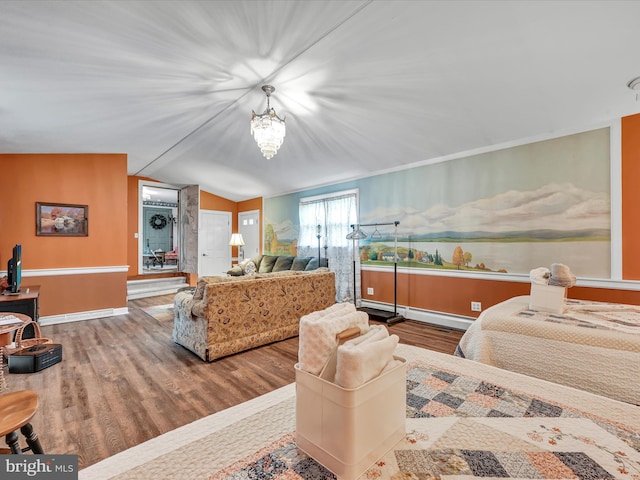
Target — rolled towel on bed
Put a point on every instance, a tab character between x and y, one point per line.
318	330
366	357
561	276
540	276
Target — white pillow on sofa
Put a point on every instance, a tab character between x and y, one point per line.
248	267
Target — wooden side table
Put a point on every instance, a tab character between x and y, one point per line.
26	302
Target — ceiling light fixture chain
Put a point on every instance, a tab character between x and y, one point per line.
268	129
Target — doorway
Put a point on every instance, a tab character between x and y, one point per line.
249	228
158	236
213	242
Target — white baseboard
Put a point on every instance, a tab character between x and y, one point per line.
80	316
447	320
152	292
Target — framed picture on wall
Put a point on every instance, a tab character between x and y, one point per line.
62	219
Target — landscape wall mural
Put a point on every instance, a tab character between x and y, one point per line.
509	210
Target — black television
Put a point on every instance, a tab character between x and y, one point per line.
14	271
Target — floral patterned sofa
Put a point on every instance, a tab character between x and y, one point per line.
226	315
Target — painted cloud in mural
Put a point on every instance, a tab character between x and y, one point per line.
561	207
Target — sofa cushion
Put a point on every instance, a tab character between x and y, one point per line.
283	263
312	265
250	268
257	260
267	263
235	271
299	263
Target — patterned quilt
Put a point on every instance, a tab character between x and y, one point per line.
462	425
464	420
485	429
592	346
599	315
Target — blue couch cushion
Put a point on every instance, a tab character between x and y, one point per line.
300	263
283	263
267	263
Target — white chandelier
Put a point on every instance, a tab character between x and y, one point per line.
267	128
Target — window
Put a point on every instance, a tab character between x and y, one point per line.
331	217
335	214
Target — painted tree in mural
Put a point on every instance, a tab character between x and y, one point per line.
467	258
269	236
458	257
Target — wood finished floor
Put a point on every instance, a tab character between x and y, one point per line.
123	381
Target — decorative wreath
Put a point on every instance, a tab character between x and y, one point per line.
158	221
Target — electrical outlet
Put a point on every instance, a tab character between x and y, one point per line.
369	291
476	306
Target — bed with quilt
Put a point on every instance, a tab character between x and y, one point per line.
464	421
593	346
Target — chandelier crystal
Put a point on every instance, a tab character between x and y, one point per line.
267	128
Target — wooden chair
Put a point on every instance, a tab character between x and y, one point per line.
16	410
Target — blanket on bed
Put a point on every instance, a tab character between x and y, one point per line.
593	346
464	420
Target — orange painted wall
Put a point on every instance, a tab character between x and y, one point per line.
454	295
630	197
132	225
439	293
209	201
96	180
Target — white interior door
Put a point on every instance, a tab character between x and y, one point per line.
249	227
213	243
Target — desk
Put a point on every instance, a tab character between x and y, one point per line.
24	302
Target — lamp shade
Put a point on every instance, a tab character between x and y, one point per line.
236	240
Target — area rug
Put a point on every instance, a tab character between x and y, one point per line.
464	420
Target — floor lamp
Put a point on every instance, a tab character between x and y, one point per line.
319	230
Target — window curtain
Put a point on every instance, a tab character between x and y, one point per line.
331	218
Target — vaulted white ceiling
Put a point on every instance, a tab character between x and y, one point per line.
366	86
